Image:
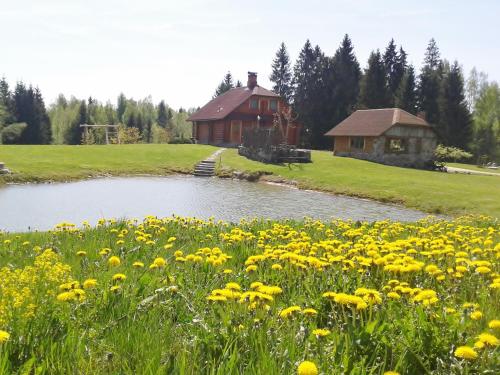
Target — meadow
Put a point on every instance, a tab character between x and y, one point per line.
185	296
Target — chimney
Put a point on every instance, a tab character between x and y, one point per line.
252	80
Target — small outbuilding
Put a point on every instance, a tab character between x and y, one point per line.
388	136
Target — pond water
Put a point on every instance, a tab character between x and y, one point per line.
41	206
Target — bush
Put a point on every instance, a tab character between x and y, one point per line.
178	140
129	135
454	154
11	134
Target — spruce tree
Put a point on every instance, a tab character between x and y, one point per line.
344	81
75	135
406	96
374	93
121	107
304	81
281	74
454	126
429	84
390	61
226	85
162	118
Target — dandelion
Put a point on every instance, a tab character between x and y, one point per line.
89	283
81	253
227	271
321	332
277	267
233	286
289	311
494	324
114	261
476	315
115	288
307	368
159	262
393	295
138	265
466	352
251	268
488	339
309	312
391	373
4	336
119	277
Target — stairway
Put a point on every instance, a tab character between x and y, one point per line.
205	168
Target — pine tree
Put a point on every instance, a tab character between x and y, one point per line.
162	118
406	96
454	124
6	101
305	83
238	84
429	83
75	135
226	85
374	92
121	107
344	81
281	74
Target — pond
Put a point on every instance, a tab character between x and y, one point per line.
41	206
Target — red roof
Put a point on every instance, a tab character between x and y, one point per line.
221	106
375	122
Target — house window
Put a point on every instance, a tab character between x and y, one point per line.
254	104
396	145
273	105
357	143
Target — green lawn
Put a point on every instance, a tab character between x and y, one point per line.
433	192
473	167
58	163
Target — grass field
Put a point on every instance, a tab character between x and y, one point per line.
433	192
181	296
60	163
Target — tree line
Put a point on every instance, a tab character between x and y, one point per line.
324	90
24	119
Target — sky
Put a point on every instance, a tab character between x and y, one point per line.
180	50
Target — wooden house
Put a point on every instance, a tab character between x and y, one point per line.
224	119
389	136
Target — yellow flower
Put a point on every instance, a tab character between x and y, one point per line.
391	373
307	368
115	288
81	253
160	262
289	311
494	324
138	265
233	286
65	296
89	283
393	295
114	261
483	270
227	271
251	268
466	352
276	266
476	315
488	339
4	336
309	312
321	332
119	277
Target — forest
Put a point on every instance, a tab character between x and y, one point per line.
322	89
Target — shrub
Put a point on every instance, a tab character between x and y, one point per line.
11	134
450	153
129	135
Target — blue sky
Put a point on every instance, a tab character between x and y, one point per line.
179	50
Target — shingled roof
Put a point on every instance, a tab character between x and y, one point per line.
375	122
221	106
